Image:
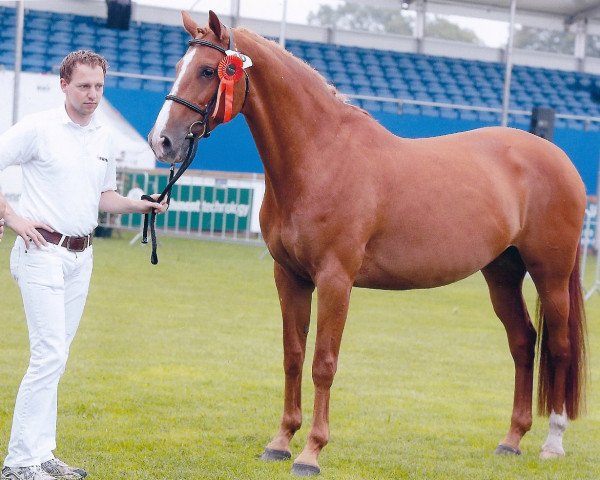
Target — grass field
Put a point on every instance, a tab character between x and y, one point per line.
176	373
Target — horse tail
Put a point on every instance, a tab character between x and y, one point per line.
577	372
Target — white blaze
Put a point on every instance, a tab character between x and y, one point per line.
163	115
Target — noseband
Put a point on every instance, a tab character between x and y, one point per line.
150	218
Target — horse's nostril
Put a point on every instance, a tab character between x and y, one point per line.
166	141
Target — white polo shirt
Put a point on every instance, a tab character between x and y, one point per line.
65	169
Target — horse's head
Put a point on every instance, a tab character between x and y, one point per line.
209	89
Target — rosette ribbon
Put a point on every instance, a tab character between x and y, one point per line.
230	71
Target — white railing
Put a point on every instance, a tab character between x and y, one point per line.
215	206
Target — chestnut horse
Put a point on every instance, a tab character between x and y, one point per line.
348	204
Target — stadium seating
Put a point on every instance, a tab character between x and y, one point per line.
153	49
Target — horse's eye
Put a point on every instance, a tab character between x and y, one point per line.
208	72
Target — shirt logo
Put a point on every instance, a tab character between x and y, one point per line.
103	159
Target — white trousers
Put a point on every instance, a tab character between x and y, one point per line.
54	285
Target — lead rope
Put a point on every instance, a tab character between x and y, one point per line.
150	218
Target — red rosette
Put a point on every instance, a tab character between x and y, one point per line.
231	68
230	71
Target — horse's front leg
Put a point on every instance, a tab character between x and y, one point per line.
295	297
333	297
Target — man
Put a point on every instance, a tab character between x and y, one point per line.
68	175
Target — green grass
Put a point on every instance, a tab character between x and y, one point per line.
176	373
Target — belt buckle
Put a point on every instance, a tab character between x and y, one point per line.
76	250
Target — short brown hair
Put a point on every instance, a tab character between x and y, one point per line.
85	57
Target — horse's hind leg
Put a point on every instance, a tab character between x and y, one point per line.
295	298
562	351
504	277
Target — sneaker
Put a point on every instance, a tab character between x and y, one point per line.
34	472
59	469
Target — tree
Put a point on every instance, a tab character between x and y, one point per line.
358	16
531	38
354	16
441	27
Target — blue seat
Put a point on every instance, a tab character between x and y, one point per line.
151	59
36	23
155	86
449	113
152	46
103	31
130	67
341	77
53	62
353	68
30	48
84	41
130	83
110	82
371	105
489	117
319	64
346	88
62	25
360	80
336	66
127	56
467	115
8	32
313	52
34	63
390	107
175	36
366	90
153	70
410	109
430	111
370	59
131	34
81	28
59	37
7	59
106	41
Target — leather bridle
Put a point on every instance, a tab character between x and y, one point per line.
150	218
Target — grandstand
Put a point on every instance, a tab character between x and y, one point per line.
412	94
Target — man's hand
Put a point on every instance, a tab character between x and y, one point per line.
26	229
157	207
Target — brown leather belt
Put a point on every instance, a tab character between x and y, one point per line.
73	244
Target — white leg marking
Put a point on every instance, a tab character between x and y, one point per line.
163	115
553	446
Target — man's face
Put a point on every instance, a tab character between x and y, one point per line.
84	92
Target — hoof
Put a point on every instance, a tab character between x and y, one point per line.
271	455
548	455
506	450
304	470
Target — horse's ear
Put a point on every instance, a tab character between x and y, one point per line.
215	24
188	23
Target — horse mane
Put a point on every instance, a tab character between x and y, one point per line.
307	68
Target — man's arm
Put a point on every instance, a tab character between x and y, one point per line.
112	202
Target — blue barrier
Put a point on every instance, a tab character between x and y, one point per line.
231	148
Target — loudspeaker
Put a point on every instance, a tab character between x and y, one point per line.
119	14
542	122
